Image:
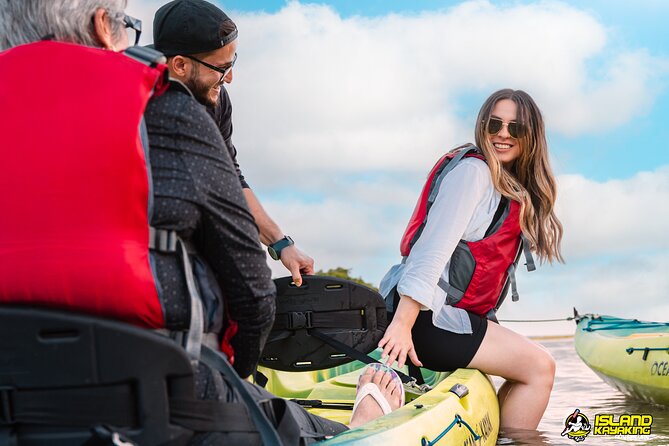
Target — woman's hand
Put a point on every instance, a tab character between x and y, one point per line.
396	342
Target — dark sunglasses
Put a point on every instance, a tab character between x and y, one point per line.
515	129
224	71
134	28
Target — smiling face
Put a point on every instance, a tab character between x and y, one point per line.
506	148
205	83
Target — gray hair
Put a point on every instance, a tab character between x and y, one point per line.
26	21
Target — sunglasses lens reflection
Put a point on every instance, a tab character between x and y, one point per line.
494	126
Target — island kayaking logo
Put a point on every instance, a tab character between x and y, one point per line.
577	425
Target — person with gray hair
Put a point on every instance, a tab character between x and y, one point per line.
94	23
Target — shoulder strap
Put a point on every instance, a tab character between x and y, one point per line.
449	165
147	56
434	188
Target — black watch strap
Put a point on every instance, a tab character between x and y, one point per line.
275	248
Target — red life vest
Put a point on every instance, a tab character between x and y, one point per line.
74	183
479	271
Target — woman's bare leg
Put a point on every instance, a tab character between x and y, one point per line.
529	370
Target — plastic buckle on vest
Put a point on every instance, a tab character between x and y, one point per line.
162	240
299	319
6	406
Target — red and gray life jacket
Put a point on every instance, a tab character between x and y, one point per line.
75	185
480	272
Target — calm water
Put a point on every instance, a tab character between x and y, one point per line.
576	386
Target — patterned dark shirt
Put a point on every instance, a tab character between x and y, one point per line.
222	115
197	193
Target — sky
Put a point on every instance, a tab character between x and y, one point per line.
342	107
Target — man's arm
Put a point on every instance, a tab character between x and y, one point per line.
293	259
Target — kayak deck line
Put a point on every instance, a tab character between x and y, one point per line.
457	420
645	350
620	324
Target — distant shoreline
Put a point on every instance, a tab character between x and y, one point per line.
551	337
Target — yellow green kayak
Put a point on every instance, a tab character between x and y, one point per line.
437	416
630	355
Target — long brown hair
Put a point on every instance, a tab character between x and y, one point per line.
529	180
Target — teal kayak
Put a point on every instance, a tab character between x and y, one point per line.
630	355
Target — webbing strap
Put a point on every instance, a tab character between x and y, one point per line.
294	320
355	354
451	164
512	278
162	240
216	360
168	241
529	260
195	334
453	295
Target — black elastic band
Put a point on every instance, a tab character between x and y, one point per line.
351	319
415	373
354	354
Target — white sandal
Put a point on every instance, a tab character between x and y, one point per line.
371	389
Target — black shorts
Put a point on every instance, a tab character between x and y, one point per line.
442	350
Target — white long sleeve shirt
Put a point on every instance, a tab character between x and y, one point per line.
463	210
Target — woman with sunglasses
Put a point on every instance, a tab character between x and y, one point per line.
510	171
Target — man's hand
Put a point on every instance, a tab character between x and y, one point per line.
297	263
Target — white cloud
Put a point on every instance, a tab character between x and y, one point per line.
314	91
615	217
358	93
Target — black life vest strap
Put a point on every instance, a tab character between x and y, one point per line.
355	354
348	319
415	373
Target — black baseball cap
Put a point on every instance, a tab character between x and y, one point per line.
190	27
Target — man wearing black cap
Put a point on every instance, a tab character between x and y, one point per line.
200	42
197	193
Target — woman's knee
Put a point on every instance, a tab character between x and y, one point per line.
543	367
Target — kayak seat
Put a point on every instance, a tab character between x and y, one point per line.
325	323
62	374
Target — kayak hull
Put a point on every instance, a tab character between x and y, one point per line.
615	349
426	416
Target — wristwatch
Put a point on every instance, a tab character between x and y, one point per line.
275	248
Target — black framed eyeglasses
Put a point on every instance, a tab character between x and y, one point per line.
495	125
223	70
133	27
